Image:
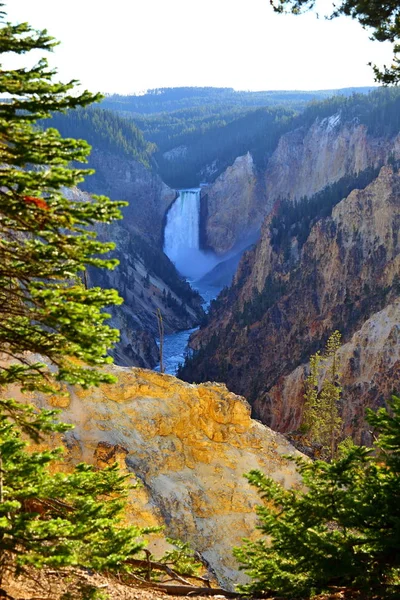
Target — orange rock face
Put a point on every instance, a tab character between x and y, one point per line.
346	274
188	446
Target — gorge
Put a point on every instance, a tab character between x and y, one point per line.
182	234
279	192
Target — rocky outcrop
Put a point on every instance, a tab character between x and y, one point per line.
308	159
304	162
189	446
235	206
281	310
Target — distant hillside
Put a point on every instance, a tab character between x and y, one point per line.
104	130
196	145
173	99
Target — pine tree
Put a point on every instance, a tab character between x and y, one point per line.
59	520
46	238
342	529
321	418
382	19
46	243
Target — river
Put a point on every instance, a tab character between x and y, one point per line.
176	344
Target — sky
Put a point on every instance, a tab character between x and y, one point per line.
129	46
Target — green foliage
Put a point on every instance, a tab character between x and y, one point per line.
60	520
182	558
341	529
382	18
255	309
104	130
321	417
46	239
209	150
46	243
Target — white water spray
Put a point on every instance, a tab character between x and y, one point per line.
182	236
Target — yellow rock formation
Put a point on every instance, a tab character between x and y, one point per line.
189	445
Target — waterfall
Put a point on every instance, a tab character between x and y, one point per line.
182	236
183	225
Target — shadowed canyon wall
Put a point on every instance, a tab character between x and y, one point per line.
305	161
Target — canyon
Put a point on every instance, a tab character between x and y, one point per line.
305	161
333	267
145	277
285	301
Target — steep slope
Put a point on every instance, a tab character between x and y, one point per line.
304	163
286	301
308	159
234	205
189	446
370	371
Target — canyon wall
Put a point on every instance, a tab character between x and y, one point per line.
305	161
188	446
308	159
282	309
122	178
369	365
147	281
235	205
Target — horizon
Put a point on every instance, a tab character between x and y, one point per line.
266	91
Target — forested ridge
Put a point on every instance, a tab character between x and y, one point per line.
207	148
105	130
196	143
171	99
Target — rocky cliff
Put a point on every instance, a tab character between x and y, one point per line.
304	162
308	159
283	305
122	178
369	364
189	446
235	205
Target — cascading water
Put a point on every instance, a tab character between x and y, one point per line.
182	246
182	236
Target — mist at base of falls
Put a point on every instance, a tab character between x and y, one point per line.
194	264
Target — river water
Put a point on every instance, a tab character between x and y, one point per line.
176	344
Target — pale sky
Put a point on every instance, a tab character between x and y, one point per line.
127	46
